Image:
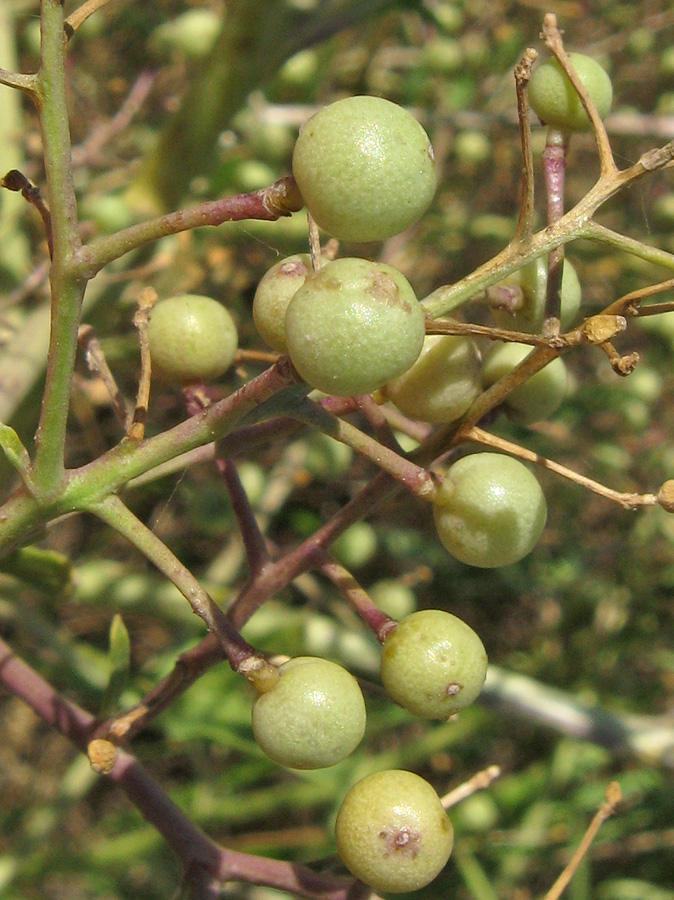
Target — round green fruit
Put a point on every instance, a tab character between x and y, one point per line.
313	717
392	832
441	384
433	664
393	597
490	510
538	397
276	289
554	99
192	338
365	168
533	279
353	326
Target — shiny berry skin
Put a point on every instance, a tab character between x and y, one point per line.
554	99
535	399
490	510
352	326
433	664
365	168
313	717
441	384
533	279
192	338
392	831
276	289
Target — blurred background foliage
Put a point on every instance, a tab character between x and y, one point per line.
211	96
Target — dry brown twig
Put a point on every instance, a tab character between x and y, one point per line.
605	811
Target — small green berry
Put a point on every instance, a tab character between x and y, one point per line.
393	598
392	831
276	289
352	326
539	396
554	99
490	510
533	279
433	664
356	546
365	168
192	338
441	384
313	717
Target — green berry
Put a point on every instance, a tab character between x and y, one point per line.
352	326
276	289
313	717
192	338
433	664
365	168
533	279
392	831
539	396
490	510
441	384
356	546
393	598
554	99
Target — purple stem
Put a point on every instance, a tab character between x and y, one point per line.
554	171
253	539
279	199
196	851
381	624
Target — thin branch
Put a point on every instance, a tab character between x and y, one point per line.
607	809
553	41
479	782
593	231
146	300
242	657
380	623
257	554
576	223
491	333
102	134
525	220
98	365
554	172
630	304
414	478
188	842
380	424
80	16
17	181
627	500
26	83
279	199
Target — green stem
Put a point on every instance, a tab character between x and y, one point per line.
595	232
22	516
67	291
113	512
577	223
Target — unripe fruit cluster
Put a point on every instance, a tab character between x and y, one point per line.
349	327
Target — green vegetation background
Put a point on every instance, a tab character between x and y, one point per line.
590	611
